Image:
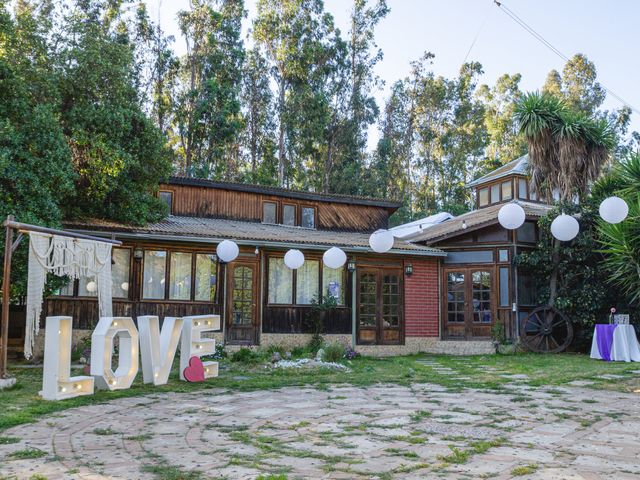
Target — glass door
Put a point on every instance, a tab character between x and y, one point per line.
241	304
468	303
379	309
456	304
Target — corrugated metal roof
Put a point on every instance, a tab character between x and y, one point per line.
190	229
476	219
285	192
514	167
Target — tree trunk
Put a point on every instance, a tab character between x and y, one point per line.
281	155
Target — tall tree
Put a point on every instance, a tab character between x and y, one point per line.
118	154
257	100
208	115
504	141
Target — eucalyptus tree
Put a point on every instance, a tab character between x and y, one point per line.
207	114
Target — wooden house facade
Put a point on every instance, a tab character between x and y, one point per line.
441	290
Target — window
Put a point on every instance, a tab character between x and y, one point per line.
475	256
533	195
504	286
503	255
483	196
120	272
495	193
333	283
307	282
311	281
206	277
155	268
269	212
527	233
87	287
280	281
527	291
180	276
167	198
481	297
289	215
65	290
522	188
507	194
308	217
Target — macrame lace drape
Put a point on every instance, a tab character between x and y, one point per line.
62	256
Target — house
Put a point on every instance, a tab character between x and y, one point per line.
386	303
441	288
479	283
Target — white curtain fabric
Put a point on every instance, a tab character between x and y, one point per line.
62	256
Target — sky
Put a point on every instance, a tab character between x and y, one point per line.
605	31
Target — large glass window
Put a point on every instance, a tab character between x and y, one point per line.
87	287
483	196
180	276
333	283
289	215
308	217
155	267
280	281
120	272
269	212
504	286
495	193
522	188
307	282
206	277
507	193
167	198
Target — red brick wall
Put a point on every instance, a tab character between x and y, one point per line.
421	298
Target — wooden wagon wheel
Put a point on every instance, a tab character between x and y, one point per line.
546	330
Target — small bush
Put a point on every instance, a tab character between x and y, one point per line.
316	343
271	349
219	354
333	352
245	355
297	352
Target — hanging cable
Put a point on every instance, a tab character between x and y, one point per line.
477	34
547	44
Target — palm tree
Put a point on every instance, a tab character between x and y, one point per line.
567	150
621	241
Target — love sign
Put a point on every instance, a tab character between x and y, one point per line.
158	349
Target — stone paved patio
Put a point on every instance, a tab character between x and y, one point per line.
425	431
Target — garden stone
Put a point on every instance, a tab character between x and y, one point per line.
287	355
319	355
275	357
7	382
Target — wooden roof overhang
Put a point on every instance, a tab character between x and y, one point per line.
475	220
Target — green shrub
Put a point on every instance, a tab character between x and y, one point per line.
245	355
333	352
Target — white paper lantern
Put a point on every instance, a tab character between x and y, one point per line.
614	209
227	251
334	257
565	227
92	287
511	216
381	241
294	259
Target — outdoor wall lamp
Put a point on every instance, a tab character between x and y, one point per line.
137	253
351	265
408	269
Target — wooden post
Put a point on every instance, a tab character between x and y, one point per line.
6	287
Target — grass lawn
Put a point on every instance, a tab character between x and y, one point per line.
22	404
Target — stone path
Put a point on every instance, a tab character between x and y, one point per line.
424	431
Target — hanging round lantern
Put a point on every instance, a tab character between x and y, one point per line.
92	287
334	257
381	241
565	227
294	259
227	251
511	216
614	209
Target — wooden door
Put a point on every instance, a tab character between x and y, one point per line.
468	302
241	312
380	306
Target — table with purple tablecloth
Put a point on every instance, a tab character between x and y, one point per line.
616	343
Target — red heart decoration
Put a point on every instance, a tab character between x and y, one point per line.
195	371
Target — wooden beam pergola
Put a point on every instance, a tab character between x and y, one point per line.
10	246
